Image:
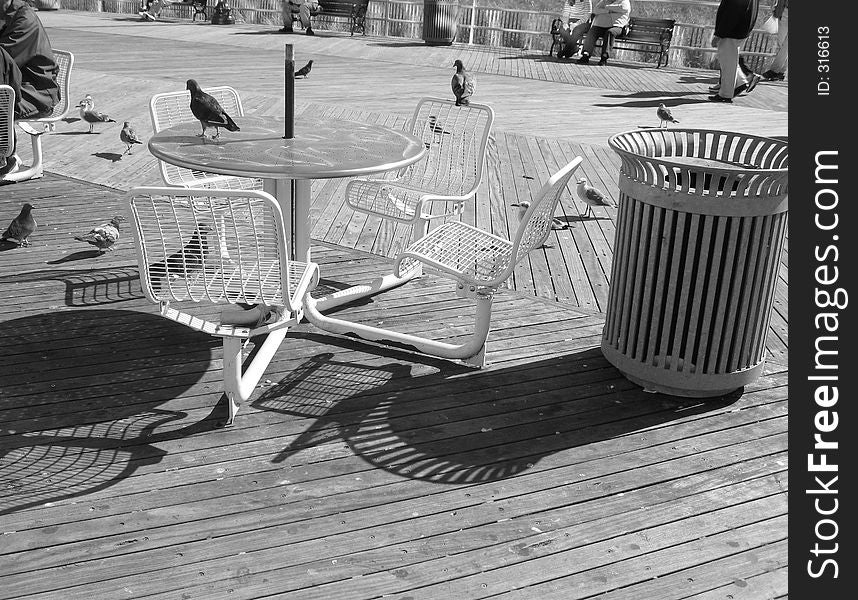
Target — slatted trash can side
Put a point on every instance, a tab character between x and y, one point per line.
440	21
701	224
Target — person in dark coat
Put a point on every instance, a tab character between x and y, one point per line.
733	24
26	64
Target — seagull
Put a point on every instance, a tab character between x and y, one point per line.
463	84
21	227
555	222
305	70
129	137
90	115
209	111
591	197
103	236
665	115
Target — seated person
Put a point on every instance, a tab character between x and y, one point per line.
27	65
575	29
611	17
303	8
150	10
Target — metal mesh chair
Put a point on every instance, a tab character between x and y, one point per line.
221	247
172	108
478	262
7	120
36	128
456	138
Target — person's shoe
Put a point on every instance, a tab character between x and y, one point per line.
720	98
752	82
773	76
309	31
585	58
603	61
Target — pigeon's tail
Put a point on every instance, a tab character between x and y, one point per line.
230	124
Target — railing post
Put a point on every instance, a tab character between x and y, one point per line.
473	14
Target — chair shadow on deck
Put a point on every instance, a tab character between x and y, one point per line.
458	425
87	287
81	400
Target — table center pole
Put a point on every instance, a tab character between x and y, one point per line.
290	93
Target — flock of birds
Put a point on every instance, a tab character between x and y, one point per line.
211	115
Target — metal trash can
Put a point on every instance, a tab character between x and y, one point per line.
700	228
440	21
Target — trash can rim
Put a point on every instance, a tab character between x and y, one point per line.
612	142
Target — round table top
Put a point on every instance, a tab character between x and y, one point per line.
322	148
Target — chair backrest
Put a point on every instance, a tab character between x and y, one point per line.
221	246
64	60
172	108
456	138
7	120
535	224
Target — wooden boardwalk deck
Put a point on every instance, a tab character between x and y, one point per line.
358	471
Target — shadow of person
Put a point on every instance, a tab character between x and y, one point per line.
82	395
463	426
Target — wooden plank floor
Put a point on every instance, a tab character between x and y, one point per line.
357	471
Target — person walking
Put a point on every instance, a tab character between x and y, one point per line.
777	68
734	22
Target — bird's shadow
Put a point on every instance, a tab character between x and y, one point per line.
6	244
653	103
77	132
82	255
111	156
71	119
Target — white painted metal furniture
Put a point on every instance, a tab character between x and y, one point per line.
36	128
221	247
456	138
172	108
477	261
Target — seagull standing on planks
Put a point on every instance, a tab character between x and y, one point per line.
21	227
208	111
591	197
664	115
103	236
305	70
90	115
463	84
129	137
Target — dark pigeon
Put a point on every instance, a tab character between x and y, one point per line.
463	84
305	70
21	227
209	111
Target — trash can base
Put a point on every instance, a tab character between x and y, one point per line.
675	383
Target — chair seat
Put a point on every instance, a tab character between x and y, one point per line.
462	251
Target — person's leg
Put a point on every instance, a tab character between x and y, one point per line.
286	16
304	14
728	57
608	43
779	62
577	34
593	34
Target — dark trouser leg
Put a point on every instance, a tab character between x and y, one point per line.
608	40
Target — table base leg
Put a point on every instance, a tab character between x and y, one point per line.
293	195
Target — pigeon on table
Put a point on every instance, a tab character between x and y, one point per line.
208	111
21	227
463	84
591	197
103	236
129	137
90	115
665	115
305	70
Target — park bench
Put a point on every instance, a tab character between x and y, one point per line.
354	11
642	34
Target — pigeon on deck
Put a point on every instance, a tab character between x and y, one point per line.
21	227
208	111
665	116
103	236
90	115
305	70
129	137
463	84
591	197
